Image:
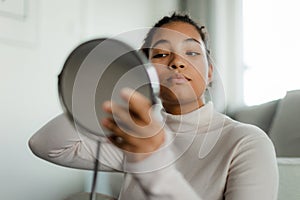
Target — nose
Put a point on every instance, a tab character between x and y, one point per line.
177	62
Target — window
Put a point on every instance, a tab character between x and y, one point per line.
271	36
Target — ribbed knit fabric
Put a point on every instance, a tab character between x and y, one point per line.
207	156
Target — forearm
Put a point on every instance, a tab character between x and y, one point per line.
60	143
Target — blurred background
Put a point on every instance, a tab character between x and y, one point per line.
255	46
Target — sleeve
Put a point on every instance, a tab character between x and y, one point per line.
253	173
59	142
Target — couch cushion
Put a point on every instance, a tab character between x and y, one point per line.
285	128
260	115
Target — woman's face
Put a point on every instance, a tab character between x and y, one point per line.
178	54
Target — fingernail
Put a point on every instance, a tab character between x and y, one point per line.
106	105
127	92
105	122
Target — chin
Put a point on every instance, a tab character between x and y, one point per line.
180	95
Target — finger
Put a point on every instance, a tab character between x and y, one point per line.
120	142
121	130
138	103
117	141
118	129
123	117
118	112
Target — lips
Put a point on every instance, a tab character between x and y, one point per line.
178	78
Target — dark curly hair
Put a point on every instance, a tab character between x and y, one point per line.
176	18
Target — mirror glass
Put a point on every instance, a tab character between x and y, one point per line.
95	72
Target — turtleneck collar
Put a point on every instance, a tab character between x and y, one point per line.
190	121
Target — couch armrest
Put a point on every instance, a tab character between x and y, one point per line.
289	178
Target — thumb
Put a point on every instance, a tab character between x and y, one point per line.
138	103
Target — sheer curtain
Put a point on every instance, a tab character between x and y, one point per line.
271	49
255	45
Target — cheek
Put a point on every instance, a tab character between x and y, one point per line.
161	71
200	80
199	87
200	71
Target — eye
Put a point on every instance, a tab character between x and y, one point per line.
160	55
192	53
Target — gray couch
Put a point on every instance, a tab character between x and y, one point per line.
280	119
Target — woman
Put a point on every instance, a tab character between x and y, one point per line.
197	153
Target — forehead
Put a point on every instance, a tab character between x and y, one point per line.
176	31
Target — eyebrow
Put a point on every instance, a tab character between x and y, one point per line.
192	40
162	41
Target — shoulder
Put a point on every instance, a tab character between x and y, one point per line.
251	158
247	145
239	129
241	134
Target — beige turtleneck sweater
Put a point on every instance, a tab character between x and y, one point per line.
207	156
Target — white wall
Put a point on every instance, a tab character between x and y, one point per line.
31	55
33	48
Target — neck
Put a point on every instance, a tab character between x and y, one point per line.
179	108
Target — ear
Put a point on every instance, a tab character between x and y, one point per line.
210	72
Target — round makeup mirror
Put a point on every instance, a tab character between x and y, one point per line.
95	72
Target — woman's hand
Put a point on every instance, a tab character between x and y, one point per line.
133	128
